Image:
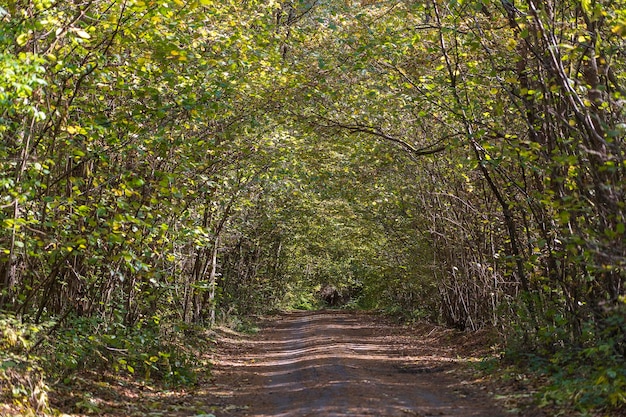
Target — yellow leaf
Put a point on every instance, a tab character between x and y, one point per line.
22	39
82	34
586	6
619	29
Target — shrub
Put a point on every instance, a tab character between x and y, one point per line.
22	381
147	350
588	374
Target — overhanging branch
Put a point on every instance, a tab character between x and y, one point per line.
378	132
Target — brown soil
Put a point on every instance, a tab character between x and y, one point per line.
323	363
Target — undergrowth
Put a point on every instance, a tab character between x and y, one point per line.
580	381
23	389
587	376
240	324
148	350
35	359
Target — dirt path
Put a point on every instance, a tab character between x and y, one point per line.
333	363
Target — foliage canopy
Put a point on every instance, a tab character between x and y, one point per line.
185	160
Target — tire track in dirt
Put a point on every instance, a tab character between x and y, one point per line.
340	364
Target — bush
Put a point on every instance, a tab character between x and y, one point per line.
22	381
587	375
147	350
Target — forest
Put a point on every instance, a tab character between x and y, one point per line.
166	165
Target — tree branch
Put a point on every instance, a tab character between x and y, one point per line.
378	132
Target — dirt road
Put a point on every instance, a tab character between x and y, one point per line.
333	363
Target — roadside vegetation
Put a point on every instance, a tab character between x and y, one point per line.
168	165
